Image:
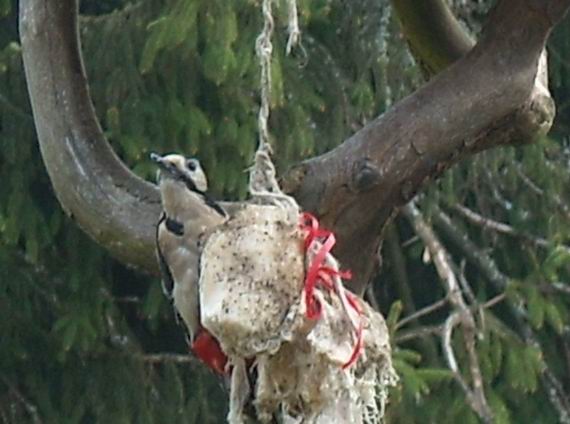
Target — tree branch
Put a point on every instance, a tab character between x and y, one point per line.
116	208
434	35
560	204
422	312
494	95
462	315
418	332
554	389
30	408
162	358
500	227
402	336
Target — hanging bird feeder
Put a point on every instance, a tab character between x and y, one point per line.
320	354
300	347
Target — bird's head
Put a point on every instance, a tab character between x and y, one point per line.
177	168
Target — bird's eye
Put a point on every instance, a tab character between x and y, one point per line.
191	164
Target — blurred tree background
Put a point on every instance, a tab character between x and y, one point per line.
85	340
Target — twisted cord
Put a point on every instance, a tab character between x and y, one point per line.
263	180
292	26
262	177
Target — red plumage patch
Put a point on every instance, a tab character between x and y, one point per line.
208	350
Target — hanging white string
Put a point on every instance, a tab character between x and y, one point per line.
263	181
293	26
262	178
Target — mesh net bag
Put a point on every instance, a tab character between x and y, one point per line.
288	360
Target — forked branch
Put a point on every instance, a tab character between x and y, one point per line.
494	95
462	315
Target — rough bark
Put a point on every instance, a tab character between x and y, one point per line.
115	207
434	36
494	95
489	97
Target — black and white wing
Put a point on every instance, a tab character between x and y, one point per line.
166	274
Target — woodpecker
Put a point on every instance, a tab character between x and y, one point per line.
188	213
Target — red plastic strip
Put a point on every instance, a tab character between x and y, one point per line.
320	275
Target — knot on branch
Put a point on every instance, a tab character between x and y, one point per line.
365	175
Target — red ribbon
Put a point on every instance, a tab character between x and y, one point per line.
320	275
208	349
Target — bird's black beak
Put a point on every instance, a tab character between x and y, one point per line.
156	158
159	160
167	168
